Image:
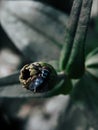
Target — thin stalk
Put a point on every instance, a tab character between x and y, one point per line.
14	78
75	66
70	33
10	79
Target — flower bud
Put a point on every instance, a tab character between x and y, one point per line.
38	77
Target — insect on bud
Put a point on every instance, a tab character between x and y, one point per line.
38	77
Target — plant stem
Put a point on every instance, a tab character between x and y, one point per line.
72	55
14	78
10	79
70	33
76	64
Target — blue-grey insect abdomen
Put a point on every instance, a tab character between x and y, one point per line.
36	83
45	73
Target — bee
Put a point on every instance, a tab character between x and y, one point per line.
41	78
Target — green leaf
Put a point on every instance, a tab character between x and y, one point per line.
85	92
25	28
85	95
92	63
